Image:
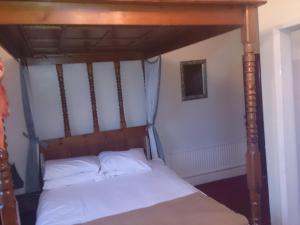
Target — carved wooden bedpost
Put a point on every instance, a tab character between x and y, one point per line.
249	36
9	214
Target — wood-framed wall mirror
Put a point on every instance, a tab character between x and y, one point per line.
193	79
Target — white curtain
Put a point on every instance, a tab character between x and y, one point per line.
152	72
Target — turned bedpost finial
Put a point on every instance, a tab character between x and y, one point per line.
7	198
254	178
93	96
120	96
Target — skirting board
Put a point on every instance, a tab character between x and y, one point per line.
216	175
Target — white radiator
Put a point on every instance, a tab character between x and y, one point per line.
206	164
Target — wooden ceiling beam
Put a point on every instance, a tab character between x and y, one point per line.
45	13
85	58
163	2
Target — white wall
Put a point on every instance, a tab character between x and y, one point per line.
45	102
278	13
295	37
283	201
15	123
206	135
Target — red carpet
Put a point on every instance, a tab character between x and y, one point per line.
233	193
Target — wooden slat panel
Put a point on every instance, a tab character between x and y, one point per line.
42	32
188	37
60	77
50	44
115	14
13	42
85	32
93	96
154	43
120	96
83	58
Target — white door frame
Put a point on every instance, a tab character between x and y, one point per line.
279	114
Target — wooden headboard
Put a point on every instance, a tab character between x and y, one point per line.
93	144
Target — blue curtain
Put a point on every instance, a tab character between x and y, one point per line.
152	73
32	183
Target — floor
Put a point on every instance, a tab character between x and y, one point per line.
233	193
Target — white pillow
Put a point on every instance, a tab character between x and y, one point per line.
59	168
115	163
70	180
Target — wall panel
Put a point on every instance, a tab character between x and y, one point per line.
133	93
78	98
106	96
45	99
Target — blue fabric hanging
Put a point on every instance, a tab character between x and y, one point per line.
32	183
152	73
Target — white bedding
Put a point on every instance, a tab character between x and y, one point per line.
87	201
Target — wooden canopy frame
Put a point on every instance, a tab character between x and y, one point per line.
235	13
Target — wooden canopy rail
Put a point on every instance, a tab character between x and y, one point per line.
155	27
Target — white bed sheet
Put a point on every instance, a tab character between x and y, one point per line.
91	200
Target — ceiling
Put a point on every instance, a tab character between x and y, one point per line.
124	42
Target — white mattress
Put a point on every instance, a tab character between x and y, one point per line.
91	200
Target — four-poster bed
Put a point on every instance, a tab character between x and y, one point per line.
73	31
